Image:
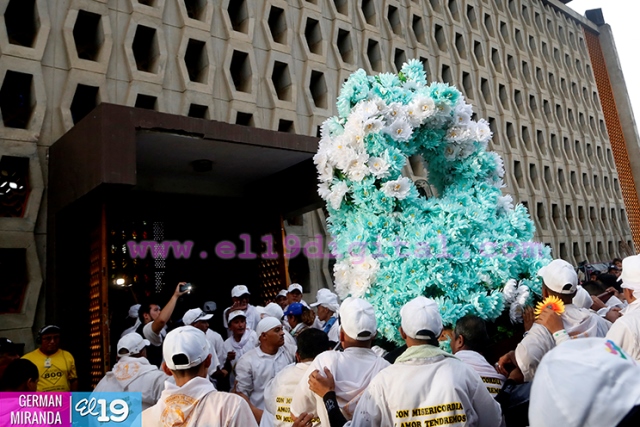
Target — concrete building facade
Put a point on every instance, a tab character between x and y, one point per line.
547	80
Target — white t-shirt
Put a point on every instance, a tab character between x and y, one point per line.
255	368
198	404
491	379
135	374
353	369
440	390
278	394
217	343
154	339
578	322
626	330
248	342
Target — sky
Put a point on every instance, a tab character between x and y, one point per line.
624	18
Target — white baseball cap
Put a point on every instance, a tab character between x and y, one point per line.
607	378
421	316
282	293
358	319
235	314
209	307
582	298
630	276
267	324
295	287
187	341
239	290
559	276
327	299
133	311
274	310
132	343
195	315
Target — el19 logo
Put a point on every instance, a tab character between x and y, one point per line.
106	409
118	408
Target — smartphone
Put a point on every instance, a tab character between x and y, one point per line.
185	287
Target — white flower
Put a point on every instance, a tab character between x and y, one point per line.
505	203
510	290
400	130
483	131
357	168
323	190
337	194
451	151
379	167
369	108
366	266
398	188
457	134
515	313
359	285
395	111
342	274
523	295
467	149
462	114
372	124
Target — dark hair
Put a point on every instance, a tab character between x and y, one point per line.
609	280
17	373
145	307
474	331
312	342
615	260
594	288
307	316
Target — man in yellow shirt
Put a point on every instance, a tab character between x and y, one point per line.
56	367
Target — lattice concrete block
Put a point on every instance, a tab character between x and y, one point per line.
29	105
344	44
241	74
146	95
83	91
239	20
147	59
312	36
27	47
197	104
87	36
277	27
26	240
395	18
195	13
36	186
195	60
280	81
244	113
154	8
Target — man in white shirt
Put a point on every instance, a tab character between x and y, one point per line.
560	280
240	296
193	401
425	386
133	372
353	368
242	340
200	320
279	392
259	365
626	330
294	294
470	338
589	382
327	309
153	321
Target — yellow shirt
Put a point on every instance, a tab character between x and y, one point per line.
56	371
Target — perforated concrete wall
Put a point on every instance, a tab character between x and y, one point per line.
279	64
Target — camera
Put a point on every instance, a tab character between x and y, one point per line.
185	287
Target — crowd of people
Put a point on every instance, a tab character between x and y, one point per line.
293	363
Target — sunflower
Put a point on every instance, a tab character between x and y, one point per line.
554	302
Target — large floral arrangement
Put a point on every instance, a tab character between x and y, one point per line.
391	243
